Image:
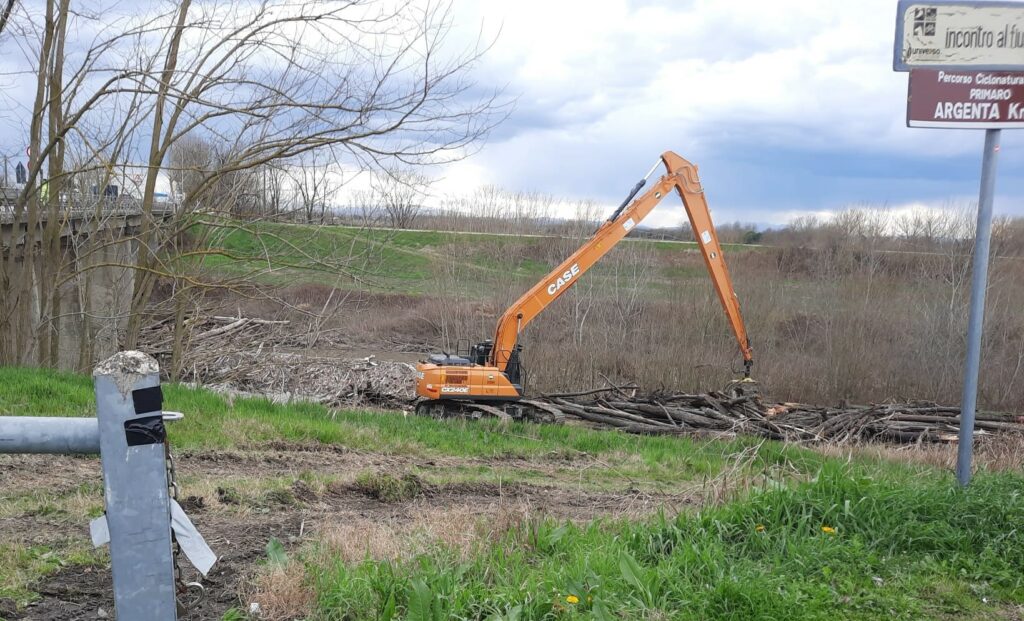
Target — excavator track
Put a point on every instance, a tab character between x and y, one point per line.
523	410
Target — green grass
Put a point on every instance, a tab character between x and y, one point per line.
299	253
388	487
215	422
405	261
21	566
401	261
908	543
902	548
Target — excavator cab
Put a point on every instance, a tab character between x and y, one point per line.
489	379
474	354
479	353
448	360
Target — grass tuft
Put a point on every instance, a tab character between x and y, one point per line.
389	488
22	565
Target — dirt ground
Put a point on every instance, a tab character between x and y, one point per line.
340	511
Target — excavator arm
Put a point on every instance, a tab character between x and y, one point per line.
681	177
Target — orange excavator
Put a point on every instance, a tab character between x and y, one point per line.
489	381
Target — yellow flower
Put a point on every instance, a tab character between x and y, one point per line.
828	530
759	528
572	599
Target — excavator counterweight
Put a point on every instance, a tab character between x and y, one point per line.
489	381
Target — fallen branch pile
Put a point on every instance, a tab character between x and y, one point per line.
249	356
728	414
243	355
285	377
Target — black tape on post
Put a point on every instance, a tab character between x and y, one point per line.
146	430
148	400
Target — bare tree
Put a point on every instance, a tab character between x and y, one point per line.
316	187
400	195
493	209
266	83
363	209
274	192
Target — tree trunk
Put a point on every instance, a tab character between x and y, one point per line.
144	278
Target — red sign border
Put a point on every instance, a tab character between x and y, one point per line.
956	124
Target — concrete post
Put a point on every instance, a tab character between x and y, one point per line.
128	408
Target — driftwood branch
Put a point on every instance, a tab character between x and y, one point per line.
723	414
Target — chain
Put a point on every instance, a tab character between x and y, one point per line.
172	475
182	587
172	491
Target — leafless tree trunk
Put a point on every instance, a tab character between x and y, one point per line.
6	15
400	195
314	187
158	147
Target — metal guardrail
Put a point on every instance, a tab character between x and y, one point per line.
140	512
87	210
8	195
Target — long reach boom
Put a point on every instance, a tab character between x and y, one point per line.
490	379
681	176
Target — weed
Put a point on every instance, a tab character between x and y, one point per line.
22	565
275	552
281	497
280	591
47	510
228	496
389	488
234	614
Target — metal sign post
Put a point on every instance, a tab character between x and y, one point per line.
966	64
976	320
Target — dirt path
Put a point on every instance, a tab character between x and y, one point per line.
339	512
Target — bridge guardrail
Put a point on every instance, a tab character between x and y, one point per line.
80	211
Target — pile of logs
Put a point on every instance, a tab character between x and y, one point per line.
727	414
250	356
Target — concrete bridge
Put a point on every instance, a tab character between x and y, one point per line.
97	240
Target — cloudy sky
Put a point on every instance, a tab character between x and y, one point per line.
788	107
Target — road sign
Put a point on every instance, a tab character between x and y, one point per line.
947	34
962	100
966	63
